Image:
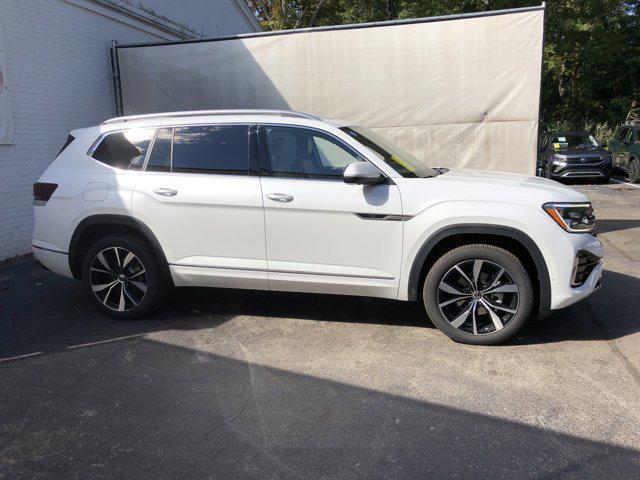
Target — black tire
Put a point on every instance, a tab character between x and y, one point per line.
135	278
479	328
634	170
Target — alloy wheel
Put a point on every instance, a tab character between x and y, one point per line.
118	279
478	296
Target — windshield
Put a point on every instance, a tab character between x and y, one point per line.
400	160
573	140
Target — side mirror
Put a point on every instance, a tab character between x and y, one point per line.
362	173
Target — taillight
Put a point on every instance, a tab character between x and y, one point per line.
42	192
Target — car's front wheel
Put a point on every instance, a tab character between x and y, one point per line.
122	277
478	294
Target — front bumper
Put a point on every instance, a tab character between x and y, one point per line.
577	170
565	292
587	288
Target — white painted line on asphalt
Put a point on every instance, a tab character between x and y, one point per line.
20	356
624	183
100	342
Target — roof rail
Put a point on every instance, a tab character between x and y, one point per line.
194	113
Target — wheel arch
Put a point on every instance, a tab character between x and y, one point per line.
94	225
509	238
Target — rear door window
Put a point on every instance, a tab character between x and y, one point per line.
219	149
125	150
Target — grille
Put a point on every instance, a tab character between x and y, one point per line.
584	265
583	161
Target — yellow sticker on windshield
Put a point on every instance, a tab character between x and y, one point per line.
556	146
409	167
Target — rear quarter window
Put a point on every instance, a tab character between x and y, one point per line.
125	150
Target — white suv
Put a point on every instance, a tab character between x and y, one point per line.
277	200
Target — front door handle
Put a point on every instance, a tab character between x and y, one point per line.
166	192
280	197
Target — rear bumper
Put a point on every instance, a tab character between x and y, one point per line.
53	260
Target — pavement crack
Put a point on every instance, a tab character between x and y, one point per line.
231	419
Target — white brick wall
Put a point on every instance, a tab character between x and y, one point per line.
59	76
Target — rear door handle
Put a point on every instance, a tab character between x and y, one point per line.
166	192
280	197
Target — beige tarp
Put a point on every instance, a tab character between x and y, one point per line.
460	92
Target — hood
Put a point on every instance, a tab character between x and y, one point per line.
503	187
581	152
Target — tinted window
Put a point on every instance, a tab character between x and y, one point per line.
160	156
222	149
126	149
298	152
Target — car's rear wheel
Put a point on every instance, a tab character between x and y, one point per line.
478	294
122	278
634	170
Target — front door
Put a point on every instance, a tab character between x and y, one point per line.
323	235
197	197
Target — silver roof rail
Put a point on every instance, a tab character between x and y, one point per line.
194	113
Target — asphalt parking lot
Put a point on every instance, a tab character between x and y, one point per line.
230	384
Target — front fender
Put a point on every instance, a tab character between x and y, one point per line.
430	227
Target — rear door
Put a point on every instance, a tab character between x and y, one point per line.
200	200
322	234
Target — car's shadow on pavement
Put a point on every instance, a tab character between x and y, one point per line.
147	409
132	406
610	313
614	225
42	312
45	313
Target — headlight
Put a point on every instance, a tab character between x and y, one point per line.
572	217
